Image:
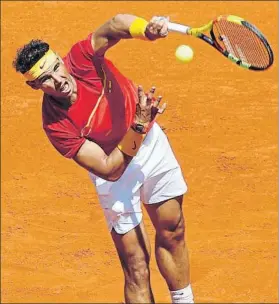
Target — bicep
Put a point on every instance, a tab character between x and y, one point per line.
111	32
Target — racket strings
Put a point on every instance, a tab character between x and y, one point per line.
242	43
243	46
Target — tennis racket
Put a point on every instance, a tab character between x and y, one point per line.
235	38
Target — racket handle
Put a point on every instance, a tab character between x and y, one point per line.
179	28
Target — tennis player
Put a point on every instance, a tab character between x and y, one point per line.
100	119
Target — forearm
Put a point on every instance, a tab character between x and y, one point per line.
116	164
121	156
109	167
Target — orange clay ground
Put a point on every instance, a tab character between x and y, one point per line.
222	123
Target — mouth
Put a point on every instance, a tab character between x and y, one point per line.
65	88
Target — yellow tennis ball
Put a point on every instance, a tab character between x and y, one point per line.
184	53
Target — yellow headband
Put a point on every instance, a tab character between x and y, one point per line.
41	66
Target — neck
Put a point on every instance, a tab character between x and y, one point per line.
73	96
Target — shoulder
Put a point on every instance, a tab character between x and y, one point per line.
59	129
51	112
56	121
81	50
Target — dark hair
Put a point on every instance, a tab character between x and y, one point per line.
29	54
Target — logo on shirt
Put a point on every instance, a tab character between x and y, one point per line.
135	146
43	64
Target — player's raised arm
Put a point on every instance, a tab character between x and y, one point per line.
125	26
111	167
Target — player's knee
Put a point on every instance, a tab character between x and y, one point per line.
172	233
137	271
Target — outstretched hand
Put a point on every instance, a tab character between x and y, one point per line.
147	109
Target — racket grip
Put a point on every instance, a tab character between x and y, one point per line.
179	28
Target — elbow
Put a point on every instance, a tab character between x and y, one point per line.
113	175
108	174
108	177
117	21
113	178
112	171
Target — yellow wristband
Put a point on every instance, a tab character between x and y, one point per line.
137	28
131	142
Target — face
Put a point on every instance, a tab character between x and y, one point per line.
55	81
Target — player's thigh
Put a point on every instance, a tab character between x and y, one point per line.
120	200
167	215
163	197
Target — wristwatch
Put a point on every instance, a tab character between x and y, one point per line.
139	128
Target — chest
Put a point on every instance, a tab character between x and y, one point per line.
100	110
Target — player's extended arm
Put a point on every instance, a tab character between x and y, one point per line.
93	158
111	167
125	26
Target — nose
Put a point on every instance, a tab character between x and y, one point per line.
57	80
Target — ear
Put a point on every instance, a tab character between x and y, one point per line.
32	84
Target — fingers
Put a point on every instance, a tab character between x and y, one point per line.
156	109
140	92
159	26
150	95
157	101
141	95
146	101
162	109
164	29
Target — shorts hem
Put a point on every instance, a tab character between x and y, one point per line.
131	227
166	199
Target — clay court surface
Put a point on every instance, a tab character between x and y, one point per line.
222	123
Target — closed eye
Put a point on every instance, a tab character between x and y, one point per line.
56	67
44	79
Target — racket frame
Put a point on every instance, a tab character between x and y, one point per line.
199	33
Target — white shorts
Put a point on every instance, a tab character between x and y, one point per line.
153	176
